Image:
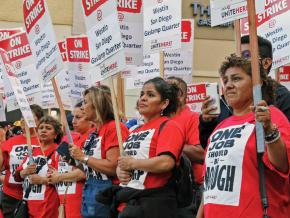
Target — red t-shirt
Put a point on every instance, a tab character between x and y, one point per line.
105	140
43	200
14	151
189	123
232	178
74	191
146	142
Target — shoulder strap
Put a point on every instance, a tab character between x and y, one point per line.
162	126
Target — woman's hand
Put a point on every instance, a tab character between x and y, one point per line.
207	107
53	177
76	152
126	163
36	179
123	176
29	170
263	114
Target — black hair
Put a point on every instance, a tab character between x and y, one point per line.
166	91
265	46
56	125
37	111
268	84
182	86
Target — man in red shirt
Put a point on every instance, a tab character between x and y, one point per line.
189	122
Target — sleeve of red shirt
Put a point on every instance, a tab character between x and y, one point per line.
170	140
111	139
282	123
5	150
192	130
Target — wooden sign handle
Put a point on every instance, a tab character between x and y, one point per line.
116	115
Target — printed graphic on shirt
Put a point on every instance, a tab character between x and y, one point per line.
64	167
17	155
93	149
138	146
224	160
37	191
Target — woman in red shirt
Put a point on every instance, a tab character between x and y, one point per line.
42	200
12	153
100	151
69	180
153	150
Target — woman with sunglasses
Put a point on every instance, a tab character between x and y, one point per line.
100	152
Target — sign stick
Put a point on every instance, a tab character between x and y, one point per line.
162	64
121	94
255	71
116	115
62	112
238	36
28	139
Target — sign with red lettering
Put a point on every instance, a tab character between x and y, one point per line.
162	25
149	70
179	62
284	76
78	65
196	93
273	24
131	25
10	73
227	11
131	6
6	33
20	55
42	38
63	78
105	43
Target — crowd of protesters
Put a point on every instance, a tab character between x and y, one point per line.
91	178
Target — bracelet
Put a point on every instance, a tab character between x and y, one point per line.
273	134
274	140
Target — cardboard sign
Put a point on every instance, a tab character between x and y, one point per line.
18	90
273	25
162	25
284	76
2	108
42	39
105	43
20	55
6	33
63	77
149	70
78	65
130	16
179	62
227	11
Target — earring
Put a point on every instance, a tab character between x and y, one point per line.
161	112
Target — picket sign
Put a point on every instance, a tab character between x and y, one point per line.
44	47
2	108
179	62
6	33
224	11
28	140
106	46
10	73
